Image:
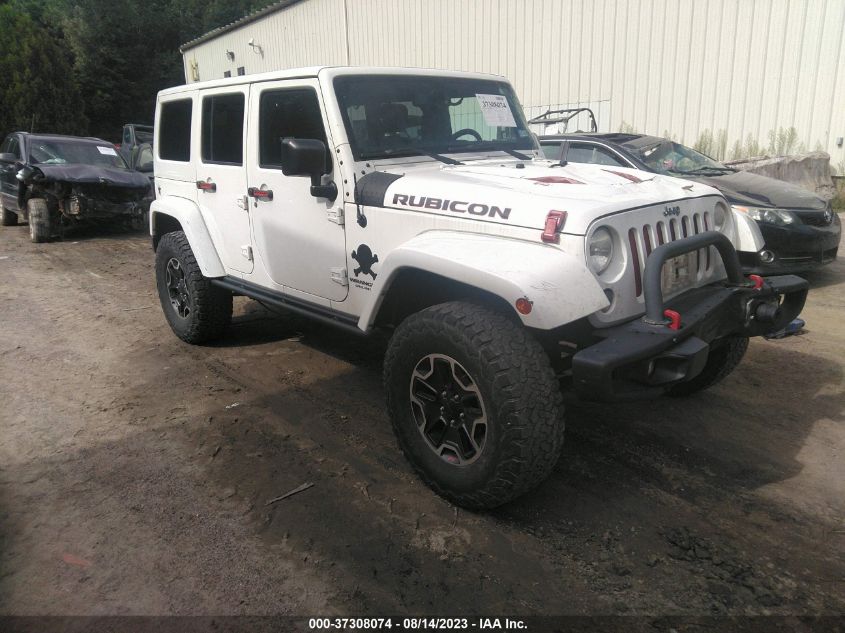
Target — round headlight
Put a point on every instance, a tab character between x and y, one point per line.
600	250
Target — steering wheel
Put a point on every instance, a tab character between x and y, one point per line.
466	132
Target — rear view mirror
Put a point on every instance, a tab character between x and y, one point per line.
6	157
307	157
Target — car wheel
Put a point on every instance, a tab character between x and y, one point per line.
7	218
724	356
38	214
474	403
196	310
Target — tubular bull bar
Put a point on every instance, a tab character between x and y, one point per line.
672	341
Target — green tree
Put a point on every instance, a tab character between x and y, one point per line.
38	91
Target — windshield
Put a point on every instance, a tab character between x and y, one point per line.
62	152
401	115
669	157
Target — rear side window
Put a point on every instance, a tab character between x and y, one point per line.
174	130
589	153
291	113
223	129
551	150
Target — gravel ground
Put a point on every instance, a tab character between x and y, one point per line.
135	471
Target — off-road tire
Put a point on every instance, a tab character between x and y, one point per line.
723	359
210	306
520	393
40	226
7	218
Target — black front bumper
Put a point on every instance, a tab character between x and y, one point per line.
795	247
643	358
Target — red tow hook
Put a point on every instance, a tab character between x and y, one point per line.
758	281
674	319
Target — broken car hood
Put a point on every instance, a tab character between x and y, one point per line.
89	174
521	193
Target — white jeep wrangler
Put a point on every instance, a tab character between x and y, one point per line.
417	200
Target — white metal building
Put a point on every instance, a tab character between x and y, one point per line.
736	70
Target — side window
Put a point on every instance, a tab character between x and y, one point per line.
14	147
551	150
589	153
223	129
288	113
145	159
174	130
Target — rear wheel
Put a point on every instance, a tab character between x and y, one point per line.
7	218
474	403
40	227
196	310
724	357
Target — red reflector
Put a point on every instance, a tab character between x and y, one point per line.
554	224
524	306
674	318
758	281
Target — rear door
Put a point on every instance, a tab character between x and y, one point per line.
221	173
298	238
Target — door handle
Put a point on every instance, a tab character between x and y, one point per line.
206	186
260	194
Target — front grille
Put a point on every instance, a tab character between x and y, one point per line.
643	240
815	218
637	233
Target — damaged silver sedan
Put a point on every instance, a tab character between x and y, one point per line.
55	182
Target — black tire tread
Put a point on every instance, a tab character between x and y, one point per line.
530	404
7	218
212	305
39	220
721	362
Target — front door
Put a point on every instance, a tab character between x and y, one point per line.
298	239
221	174
8	181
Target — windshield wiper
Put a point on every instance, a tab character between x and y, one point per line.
412	151
704	169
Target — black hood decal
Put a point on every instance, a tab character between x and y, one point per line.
371	188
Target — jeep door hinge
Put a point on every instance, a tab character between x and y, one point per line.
246	251
339	276
335	215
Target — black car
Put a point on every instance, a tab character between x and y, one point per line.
799	228
58	181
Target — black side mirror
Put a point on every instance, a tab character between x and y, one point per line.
307	157
7	157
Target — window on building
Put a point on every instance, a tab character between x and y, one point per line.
589	153
174	130
241	71
288	113
227	73
223	129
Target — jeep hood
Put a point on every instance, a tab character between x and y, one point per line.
521	193
89	174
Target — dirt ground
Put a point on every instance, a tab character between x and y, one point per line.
135	471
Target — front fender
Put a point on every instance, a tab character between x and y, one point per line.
559	286
188	214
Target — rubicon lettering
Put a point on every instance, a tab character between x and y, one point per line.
456	206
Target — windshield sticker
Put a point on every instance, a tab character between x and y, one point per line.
107	151
496	110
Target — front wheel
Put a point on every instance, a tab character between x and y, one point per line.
196	310
40	227
724	357
474	402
